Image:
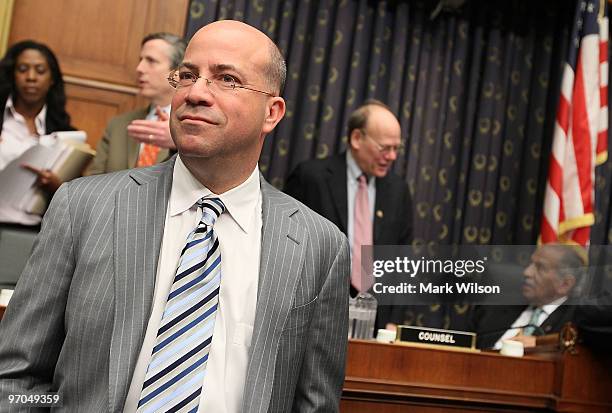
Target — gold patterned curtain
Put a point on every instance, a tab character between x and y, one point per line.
475	90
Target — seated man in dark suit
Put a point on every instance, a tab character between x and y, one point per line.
549	286
357	192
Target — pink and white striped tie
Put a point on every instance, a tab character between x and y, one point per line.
362	235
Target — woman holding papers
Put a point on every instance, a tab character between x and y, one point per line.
32	95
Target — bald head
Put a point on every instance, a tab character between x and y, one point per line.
242	35
374	137
225	106
359	117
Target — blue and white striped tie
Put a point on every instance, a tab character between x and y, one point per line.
178	364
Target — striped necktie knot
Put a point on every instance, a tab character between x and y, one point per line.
212	208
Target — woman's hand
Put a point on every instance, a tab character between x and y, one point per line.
47	180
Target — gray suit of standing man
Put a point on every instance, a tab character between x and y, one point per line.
84	318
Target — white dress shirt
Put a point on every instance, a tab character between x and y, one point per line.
16	137
239	234
352	173
525	316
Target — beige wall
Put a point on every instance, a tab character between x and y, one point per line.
97	43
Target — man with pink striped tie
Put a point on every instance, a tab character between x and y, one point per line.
357	192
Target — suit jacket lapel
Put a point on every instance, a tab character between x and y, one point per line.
383	196
557	318
140	211
337	188
282	257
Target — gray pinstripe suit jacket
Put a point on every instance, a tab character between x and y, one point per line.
77	319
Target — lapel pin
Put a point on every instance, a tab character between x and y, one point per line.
379	213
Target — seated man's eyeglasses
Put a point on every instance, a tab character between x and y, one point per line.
383	149
179	78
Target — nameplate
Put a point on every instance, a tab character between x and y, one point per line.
436	337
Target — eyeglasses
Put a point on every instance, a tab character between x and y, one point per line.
383	149
223	82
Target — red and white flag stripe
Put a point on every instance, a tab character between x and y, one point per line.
602	137
580	135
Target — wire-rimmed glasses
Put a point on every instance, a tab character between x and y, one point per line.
224	82
383	149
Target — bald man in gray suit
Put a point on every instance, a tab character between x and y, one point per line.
81	319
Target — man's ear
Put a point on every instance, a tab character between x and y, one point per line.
275	110
566	285
355	139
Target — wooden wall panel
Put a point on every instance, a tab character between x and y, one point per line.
6	12
91	107
96	39
97	43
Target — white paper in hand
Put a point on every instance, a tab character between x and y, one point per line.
17	184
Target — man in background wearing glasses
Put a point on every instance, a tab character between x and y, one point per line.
192	285
357	192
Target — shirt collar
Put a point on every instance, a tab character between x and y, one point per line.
353	170
152	115
39	120
240	202
553	305
9	108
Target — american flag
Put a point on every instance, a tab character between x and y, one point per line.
581	128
